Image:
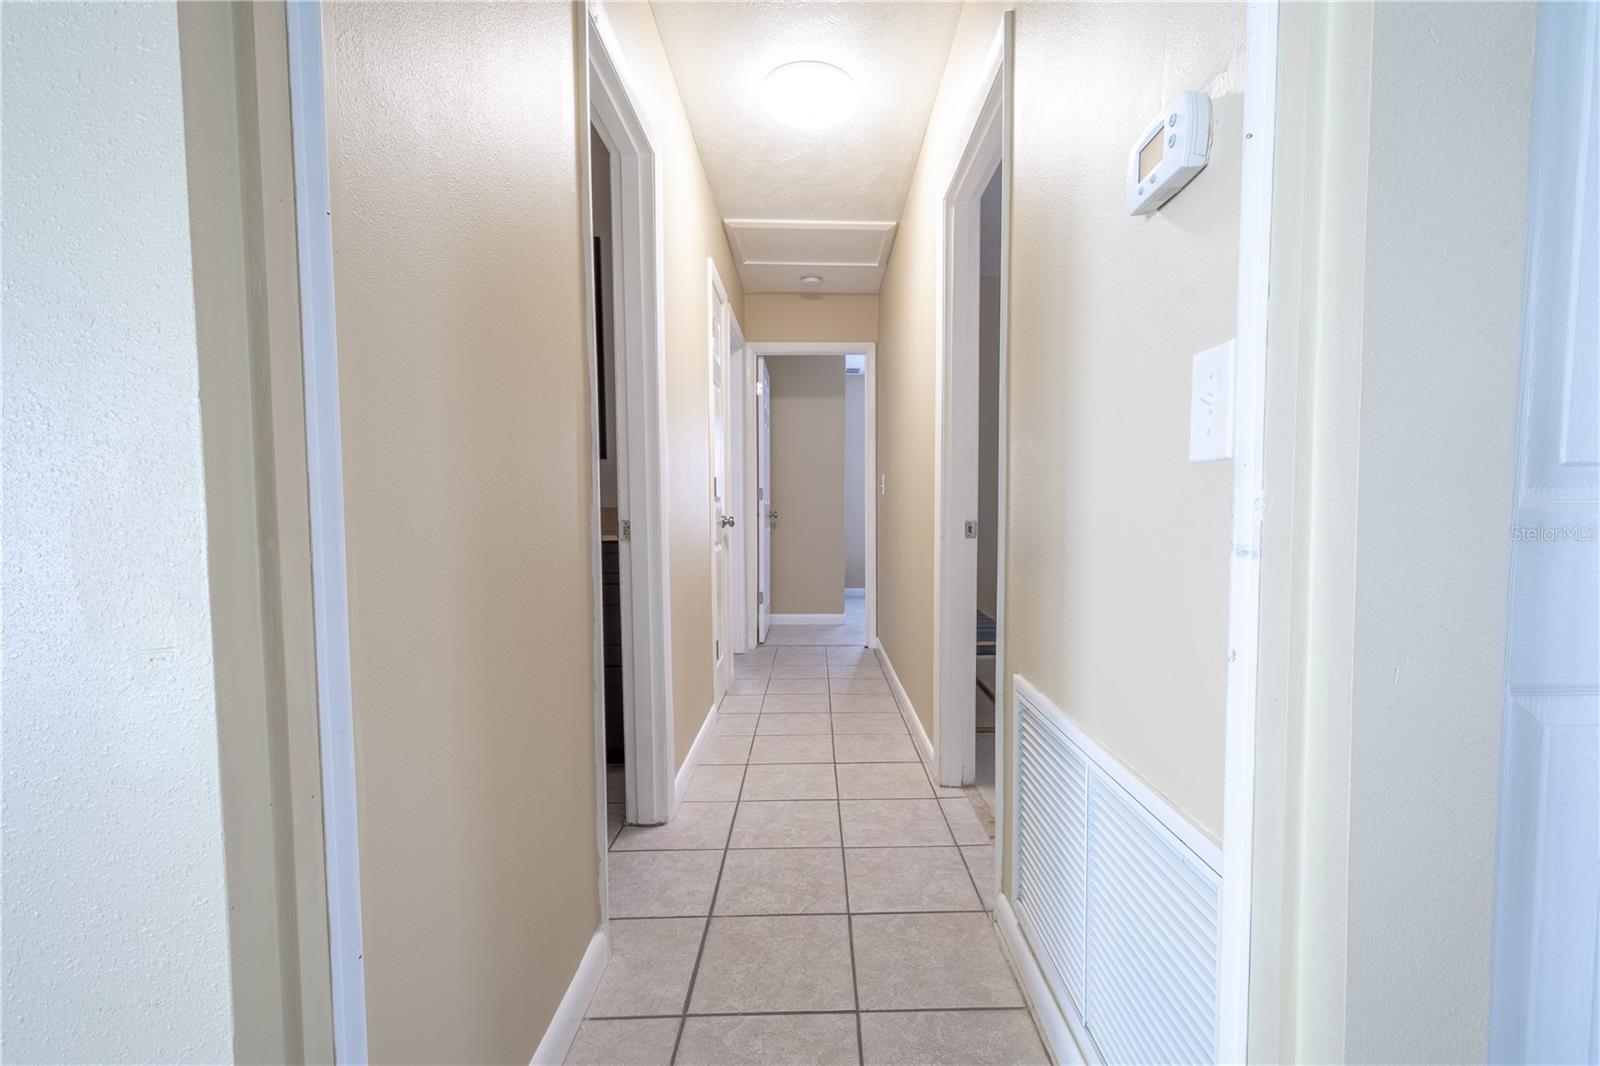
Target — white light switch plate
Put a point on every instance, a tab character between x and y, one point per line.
1211	405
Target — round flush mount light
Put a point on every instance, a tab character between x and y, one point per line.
811	281
809	95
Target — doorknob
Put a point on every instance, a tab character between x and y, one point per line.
727	521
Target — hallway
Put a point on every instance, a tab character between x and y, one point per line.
816	899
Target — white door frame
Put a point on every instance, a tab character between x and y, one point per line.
325	482
639	321
739	474
719	316
869	350
955	556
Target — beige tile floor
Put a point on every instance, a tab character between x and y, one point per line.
815	900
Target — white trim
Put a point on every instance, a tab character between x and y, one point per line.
1002	704
640	318
1065	1041
741	599
956	454
692	759
868	350
719	318
808	619
903	701
324	473
1244	571
563	1027
1161	809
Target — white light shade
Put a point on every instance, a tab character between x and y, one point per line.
809	95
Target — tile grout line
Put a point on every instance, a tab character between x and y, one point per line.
844	874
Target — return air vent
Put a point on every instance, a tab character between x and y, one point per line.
1117	896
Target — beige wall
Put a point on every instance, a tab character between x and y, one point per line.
794	316
467	477
807	483
1406	451
906	366
1118	547
693	232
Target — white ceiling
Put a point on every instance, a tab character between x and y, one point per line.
764	171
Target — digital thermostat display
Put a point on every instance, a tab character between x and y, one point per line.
1172	149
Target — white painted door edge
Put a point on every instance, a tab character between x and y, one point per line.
1244	570
956	425
1061	1033
563	1027
617	112
324	472
869	350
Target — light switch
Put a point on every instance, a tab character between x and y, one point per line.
1211	405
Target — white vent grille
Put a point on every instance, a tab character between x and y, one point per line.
1121	912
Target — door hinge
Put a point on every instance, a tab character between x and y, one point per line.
761	597
970	529
761	493
717	652
625	530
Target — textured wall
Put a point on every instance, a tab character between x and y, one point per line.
808	483
1117	557
115	913
467	472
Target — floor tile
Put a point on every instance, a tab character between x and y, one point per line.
816	669
847	703
752	670
614	816
793	749
735	725
930	962
780	703
859	686
724	750
624	1042
874	747
869	723
661	884
866	670
892	823
797	686
760	965
883	780
964	821
783	881
952	1038
800	655
773	725
695	826
770	1040
748	686
806	781
732	704
651	960
980	861
908	879
755	655
786	824
713	782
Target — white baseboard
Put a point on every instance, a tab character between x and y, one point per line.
808	619
563	1028
1066	1043
907	711
691	760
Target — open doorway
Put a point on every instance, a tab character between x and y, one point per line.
812	547
633	726
988	510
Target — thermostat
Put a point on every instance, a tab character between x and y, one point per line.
1171	152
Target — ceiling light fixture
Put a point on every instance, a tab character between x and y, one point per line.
811	281
809	95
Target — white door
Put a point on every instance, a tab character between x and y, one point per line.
764	505
721	494
1546	985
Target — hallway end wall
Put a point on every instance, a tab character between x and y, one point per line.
808	467
693	233
810	316
464	398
